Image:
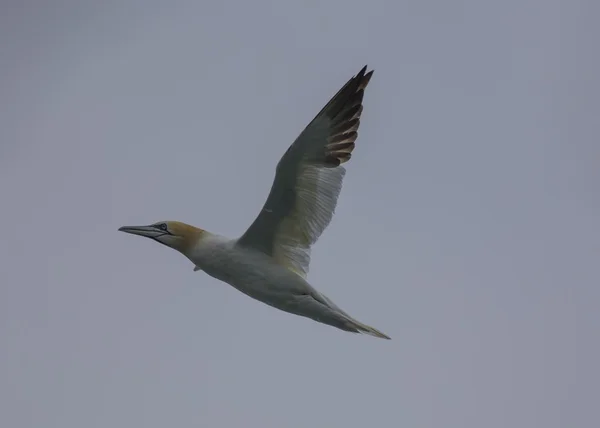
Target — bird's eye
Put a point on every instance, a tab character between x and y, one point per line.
162	226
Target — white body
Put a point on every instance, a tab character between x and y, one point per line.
260	277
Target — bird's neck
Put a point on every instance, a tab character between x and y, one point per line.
192	237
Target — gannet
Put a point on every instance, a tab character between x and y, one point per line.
270	261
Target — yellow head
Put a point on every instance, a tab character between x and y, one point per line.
179	236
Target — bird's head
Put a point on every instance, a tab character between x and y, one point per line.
179	236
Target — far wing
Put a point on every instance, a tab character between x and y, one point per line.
308	181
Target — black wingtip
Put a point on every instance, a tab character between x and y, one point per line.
363	77
361	73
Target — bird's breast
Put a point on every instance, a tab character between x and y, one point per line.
248	270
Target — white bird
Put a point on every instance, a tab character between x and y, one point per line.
270	261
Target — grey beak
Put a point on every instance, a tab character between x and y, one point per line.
147	231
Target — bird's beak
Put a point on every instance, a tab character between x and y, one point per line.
147	231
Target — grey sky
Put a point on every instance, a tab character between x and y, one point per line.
467	229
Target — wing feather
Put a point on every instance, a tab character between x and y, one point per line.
308	181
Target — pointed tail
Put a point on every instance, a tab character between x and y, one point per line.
321	309
359	327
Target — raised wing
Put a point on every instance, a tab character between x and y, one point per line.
308	181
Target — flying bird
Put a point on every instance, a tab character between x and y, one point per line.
270	261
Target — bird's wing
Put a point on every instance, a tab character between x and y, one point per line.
308	181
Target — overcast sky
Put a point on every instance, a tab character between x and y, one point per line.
467	228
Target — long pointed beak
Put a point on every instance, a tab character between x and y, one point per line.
147	231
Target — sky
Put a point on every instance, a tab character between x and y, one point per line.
467	228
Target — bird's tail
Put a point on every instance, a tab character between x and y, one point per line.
358	327
320	308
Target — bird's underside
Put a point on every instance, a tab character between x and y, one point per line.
260	277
